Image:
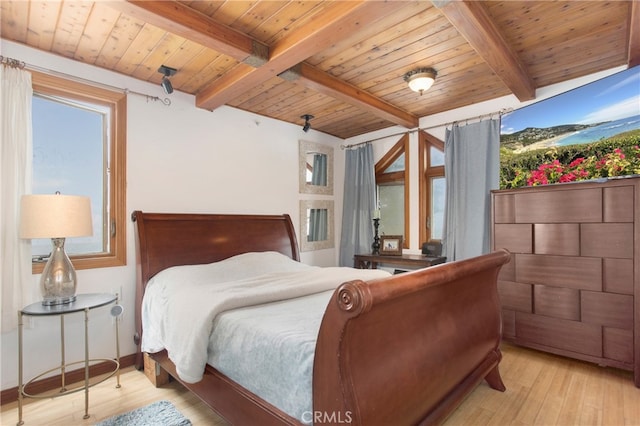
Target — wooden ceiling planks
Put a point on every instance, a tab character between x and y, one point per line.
140	48
69	29
396	22
352	78
15	20
397	35
98	27
569	38
125	29
290	17
43	17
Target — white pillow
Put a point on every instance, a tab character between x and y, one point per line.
235	268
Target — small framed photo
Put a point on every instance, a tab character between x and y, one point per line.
391	245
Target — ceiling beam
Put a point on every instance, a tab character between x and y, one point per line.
326	84
634	35
472	21
259	63
339	21
229	86
190	24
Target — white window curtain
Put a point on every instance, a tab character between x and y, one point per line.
358	205
472	167
15	180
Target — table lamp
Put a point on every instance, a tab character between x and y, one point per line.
56	217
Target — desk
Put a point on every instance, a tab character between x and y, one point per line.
371	261
83	303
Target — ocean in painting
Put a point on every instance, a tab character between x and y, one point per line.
602	131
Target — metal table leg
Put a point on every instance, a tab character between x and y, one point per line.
20	388
86	364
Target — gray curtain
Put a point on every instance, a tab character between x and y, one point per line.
318	225
318	218
359	203
472	167
319	175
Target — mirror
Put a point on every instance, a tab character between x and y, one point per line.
316	224
316	168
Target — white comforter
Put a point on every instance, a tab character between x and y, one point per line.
180	303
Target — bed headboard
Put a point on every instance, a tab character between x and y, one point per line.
171	239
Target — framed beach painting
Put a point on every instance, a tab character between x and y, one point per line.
590	132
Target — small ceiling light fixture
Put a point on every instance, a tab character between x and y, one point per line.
420	79
307	124
166	83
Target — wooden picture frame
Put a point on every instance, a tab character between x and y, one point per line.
391	245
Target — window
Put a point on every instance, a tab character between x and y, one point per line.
392	180
79	141
431	186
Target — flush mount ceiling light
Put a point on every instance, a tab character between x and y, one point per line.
166	83
307	124
420	79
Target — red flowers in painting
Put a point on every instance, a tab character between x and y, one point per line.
614	163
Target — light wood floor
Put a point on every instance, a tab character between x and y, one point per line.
542	389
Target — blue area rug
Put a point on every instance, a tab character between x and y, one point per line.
160	413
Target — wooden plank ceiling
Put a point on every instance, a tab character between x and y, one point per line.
341	61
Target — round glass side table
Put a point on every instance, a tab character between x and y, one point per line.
83	303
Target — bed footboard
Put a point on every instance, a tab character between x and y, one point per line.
407	349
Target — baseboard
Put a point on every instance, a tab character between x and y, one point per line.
11	395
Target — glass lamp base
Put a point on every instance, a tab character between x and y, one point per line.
59	301
58	280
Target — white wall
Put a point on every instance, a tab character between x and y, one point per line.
179	159
435	125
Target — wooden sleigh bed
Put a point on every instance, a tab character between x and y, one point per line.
405	349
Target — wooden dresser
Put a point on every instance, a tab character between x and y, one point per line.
573	284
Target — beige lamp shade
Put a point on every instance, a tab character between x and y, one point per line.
55	216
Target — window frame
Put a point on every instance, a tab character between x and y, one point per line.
46	84
426	173
399	148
